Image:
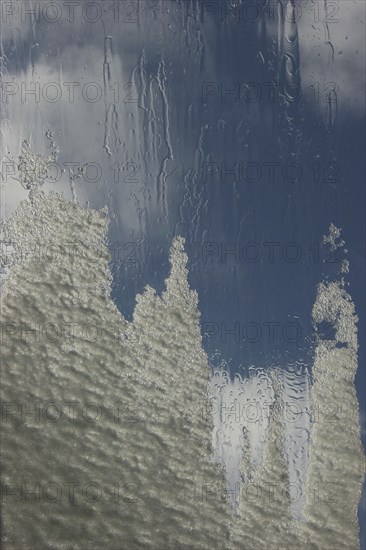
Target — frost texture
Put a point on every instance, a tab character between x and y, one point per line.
335	465
336	459
146	459
107	425
333	239
33	168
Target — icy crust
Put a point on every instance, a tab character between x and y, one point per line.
33	168
131	451
336	458
333	305
335	463
60	240
333	239
135	471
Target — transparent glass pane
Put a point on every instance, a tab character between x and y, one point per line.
183	274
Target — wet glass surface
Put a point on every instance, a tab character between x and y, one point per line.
239	126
